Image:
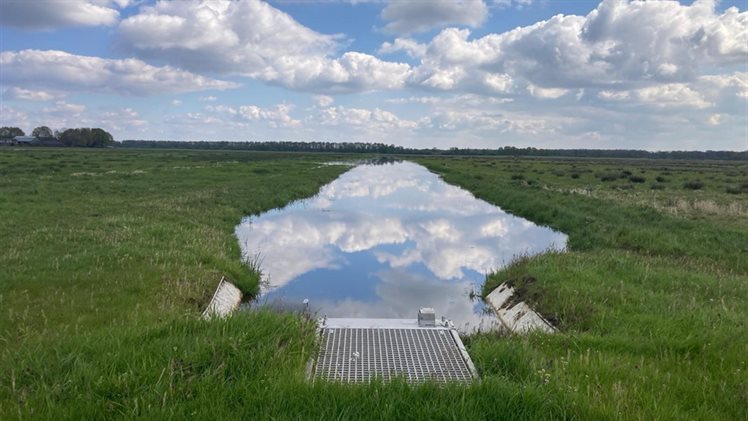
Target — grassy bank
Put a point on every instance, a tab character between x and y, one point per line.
108	257
652	299
102	243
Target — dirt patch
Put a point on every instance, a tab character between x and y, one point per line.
521	291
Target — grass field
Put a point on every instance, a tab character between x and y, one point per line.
108	256
651	299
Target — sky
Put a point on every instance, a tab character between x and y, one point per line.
615	74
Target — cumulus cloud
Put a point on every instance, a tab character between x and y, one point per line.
121	118
61	71
65	109
275	117
495	122
213	36
668	95
715	119
406	16
619	45
462	101
730	85
336	122
375	119
323	100
705	92
547	93
450	62
409	46
50	14
193	120
15	93
503	4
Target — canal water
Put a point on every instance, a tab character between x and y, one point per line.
381	241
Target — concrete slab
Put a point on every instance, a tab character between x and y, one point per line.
225	300
517	317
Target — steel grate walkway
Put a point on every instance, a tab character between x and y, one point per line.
360	354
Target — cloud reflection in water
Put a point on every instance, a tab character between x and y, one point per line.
384	240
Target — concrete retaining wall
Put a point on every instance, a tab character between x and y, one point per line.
517	317
225	300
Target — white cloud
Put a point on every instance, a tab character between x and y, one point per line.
735	84
198	120
715	119
15	93
705	92
50	14
614	95
672	94
363	119
122	122
497	83
518	4
547	93
407	16
414	100
409	46
452	63
209	98
496	122
619	45
275	117
65	109
214	36
63	71
462	102
323	100
10	116
176	102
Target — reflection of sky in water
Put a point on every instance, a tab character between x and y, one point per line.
385	240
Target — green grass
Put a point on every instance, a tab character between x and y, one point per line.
108	257
651	299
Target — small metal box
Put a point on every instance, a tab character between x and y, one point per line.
426	317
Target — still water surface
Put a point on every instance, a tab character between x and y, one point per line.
385	240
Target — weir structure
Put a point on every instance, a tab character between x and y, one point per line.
361	350
358	350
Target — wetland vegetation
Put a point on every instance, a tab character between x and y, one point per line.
107	258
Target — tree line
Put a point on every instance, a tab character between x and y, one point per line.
80	137
381	148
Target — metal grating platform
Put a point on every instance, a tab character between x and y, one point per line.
361	354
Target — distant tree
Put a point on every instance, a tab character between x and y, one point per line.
10	132
85	137
42	131
101	138
364	147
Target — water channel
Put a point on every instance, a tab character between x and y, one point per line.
381	241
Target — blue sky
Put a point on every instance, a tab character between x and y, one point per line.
656	75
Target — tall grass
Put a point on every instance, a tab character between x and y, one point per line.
651	304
